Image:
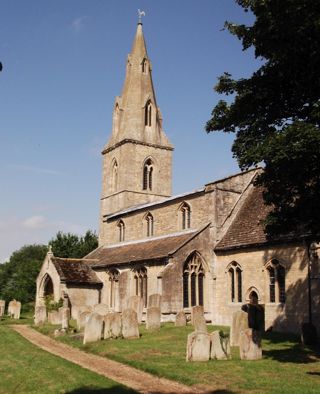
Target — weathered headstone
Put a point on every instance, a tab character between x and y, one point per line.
250	344
93	328
54	317
101	309
220	346
153	321
181	319
198	346
130	328
40	315
112	325
136	303
197	319
239	323
154	300
2	307
14	309
64	316
82	320
79	309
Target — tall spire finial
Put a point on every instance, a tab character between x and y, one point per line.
140	15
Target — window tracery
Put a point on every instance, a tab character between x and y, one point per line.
193	281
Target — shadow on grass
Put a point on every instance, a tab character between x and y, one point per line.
111	390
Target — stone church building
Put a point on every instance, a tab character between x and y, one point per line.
205	248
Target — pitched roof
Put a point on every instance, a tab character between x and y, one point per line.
148	249
75	271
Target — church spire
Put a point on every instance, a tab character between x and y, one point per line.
136	115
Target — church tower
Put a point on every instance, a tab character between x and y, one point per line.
137	159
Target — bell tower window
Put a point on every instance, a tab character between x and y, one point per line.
149	225
148	114
121	230
114	176
147	175
144	66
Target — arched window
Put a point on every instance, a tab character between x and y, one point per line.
121	229
147	175
193	281
144	66
141	284
149	225
235	282
276	281
113	279
185	214
48	286
148	113
114	176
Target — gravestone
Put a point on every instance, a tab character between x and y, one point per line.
93	328
14	309
40	315
112	325
198	346
181	319
130	328
82	320
101	309
197	319
54	317
81	309
153	321
239	323
220	346
154	301
136	303
2	307
64	316
250	344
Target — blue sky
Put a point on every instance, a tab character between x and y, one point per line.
64	63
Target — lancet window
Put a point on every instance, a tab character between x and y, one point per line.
235	282
147	175
121	230
185	213
113	279
148	113
193	281
141	284
276	281
149	225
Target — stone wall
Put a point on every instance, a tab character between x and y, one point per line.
81	296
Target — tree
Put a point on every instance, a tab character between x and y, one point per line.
275	114
18	275
73	246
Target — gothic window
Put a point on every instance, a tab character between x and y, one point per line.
149	225
144	66
185	213
193	281
113	279
276	281
147	175
148	114
121	229
114	176
235	282
141	284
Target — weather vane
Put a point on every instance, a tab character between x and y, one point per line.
141	14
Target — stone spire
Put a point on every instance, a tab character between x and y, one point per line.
136	115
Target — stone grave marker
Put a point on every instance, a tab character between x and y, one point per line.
93	328
101	309
40	315
2	307
220	346
130	328
54	317
198	346
153	321
239	323
14	309
154	300
197	319
112	325
181	319
65	317
250	344
82	320
136	303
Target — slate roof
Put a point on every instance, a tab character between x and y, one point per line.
75	271
151	249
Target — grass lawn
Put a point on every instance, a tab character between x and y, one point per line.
24	368
286	366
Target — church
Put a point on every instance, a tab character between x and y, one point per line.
204	248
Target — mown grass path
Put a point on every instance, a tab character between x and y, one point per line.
128	376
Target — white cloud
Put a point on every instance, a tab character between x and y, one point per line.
35	222
78	23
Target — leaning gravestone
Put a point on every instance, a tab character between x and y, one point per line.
130	328
239	323
250	344
54	317
198	346
136	303
197	319
181	319
220	346
153	321
64	316
40	315
2	307
154	300
112	325
101	309
93	328
83	318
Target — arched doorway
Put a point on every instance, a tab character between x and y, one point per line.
48	287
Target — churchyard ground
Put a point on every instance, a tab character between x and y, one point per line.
286	367
24	368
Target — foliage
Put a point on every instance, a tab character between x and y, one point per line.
18	275
50	304
71	245
275	113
